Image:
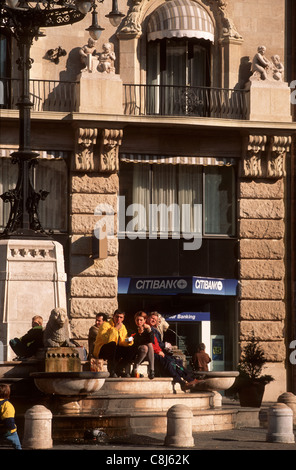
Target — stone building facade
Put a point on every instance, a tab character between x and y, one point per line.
109	125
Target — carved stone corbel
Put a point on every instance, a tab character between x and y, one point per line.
251	166
85	142
276	156
110	141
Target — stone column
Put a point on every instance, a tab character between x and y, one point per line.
32	282
38	428
94	188
231	58
179	427
262	304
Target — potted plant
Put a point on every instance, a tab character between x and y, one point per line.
250	384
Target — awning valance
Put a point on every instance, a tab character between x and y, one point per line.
176	160
180	18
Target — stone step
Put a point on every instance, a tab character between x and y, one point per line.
136	422
121	396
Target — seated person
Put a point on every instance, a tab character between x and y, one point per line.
162	324
112	343
167	365
93	331
27	345
142	348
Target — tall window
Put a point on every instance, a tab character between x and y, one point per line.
173	66
163	199
49	175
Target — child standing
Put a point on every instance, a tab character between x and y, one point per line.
201	359
7	422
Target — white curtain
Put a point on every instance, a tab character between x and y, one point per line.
171	196
219	200
190	198
140	199
49	175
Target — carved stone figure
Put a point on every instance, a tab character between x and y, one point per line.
278	68
264	69
260	64
106	59
86	55
56	333
131	24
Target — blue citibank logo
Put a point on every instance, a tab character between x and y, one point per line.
177	285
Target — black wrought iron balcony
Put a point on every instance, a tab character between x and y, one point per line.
141	100
46	95
171	100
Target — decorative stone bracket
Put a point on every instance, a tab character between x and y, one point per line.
110	140
264	157
97	150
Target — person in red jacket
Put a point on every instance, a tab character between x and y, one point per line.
167	365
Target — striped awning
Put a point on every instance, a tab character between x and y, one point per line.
180	18
176	160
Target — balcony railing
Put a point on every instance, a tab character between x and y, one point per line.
141	100
46	95
170	100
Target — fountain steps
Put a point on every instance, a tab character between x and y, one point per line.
115	425
123	406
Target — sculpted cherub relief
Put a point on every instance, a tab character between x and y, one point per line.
265	69
91	60
106	59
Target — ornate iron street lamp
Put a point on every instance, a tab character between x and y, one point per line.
22	19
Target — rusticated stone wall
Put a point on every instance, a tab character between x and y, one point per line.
93	282
262	307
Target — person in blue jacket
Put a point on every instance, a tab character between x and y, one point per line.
8	429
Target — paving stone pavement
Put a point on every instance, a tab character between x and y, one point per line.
235	439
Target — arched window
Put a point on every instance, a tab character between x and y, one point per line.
179	34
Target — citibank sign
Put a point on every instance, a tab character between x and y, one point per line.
160	284
177	285
208	284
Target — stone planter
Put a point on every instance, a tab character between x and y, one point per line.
251	394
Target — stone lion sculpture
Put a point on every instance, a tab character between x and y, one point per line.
56	332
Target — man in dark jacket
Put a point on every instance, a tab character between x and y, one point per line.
27	345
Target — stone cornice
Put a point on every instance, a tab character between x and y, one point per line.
121	121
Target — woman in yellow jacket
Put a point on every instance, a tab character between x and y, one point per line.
112	343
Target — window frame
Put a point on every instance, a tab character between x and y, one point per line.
233	224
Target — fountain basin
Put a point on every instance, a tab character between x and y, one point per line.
69	383
215	380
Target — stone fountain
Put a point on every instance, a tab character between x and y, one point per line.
81	400
63	377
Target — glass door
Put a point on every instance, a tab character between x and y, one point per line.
177	73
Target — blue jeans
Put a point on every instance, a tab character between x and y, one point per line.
13	439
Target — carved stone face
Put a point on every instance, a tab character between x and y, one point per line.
262	49
59	316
